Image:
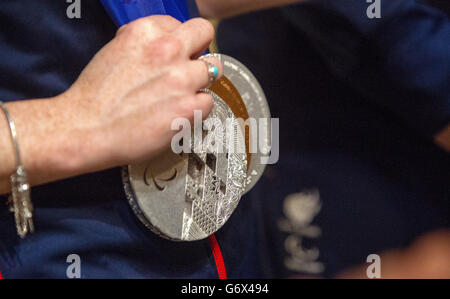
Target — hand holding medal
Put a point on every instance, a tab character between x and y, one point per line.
189	196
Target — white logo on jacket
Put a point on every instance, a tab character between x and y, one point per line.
300	209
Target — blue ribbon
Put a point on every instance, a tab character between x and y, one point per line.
125	11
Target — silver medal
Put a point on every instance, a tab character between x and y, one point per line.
256	106
188	197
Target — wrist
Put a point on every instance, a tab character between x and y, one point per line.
88	142
49	138
79	139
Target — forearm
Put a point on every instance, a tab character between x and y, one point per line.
229	8
121	108
52	143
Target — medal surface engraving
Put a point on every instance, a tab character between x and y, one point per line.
242	92
188	197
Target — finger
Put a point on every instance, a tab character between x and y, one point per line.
154	26
186	78
187	106
204	102
166	23
199	71
196	35
121	29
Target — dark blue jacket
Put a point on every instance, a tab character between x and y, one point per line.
381	181
359	101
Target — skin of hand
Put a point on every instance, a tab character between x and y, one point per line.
443	139
121	107
428	257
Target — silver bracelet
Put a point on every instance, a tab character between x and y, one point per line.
19	200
